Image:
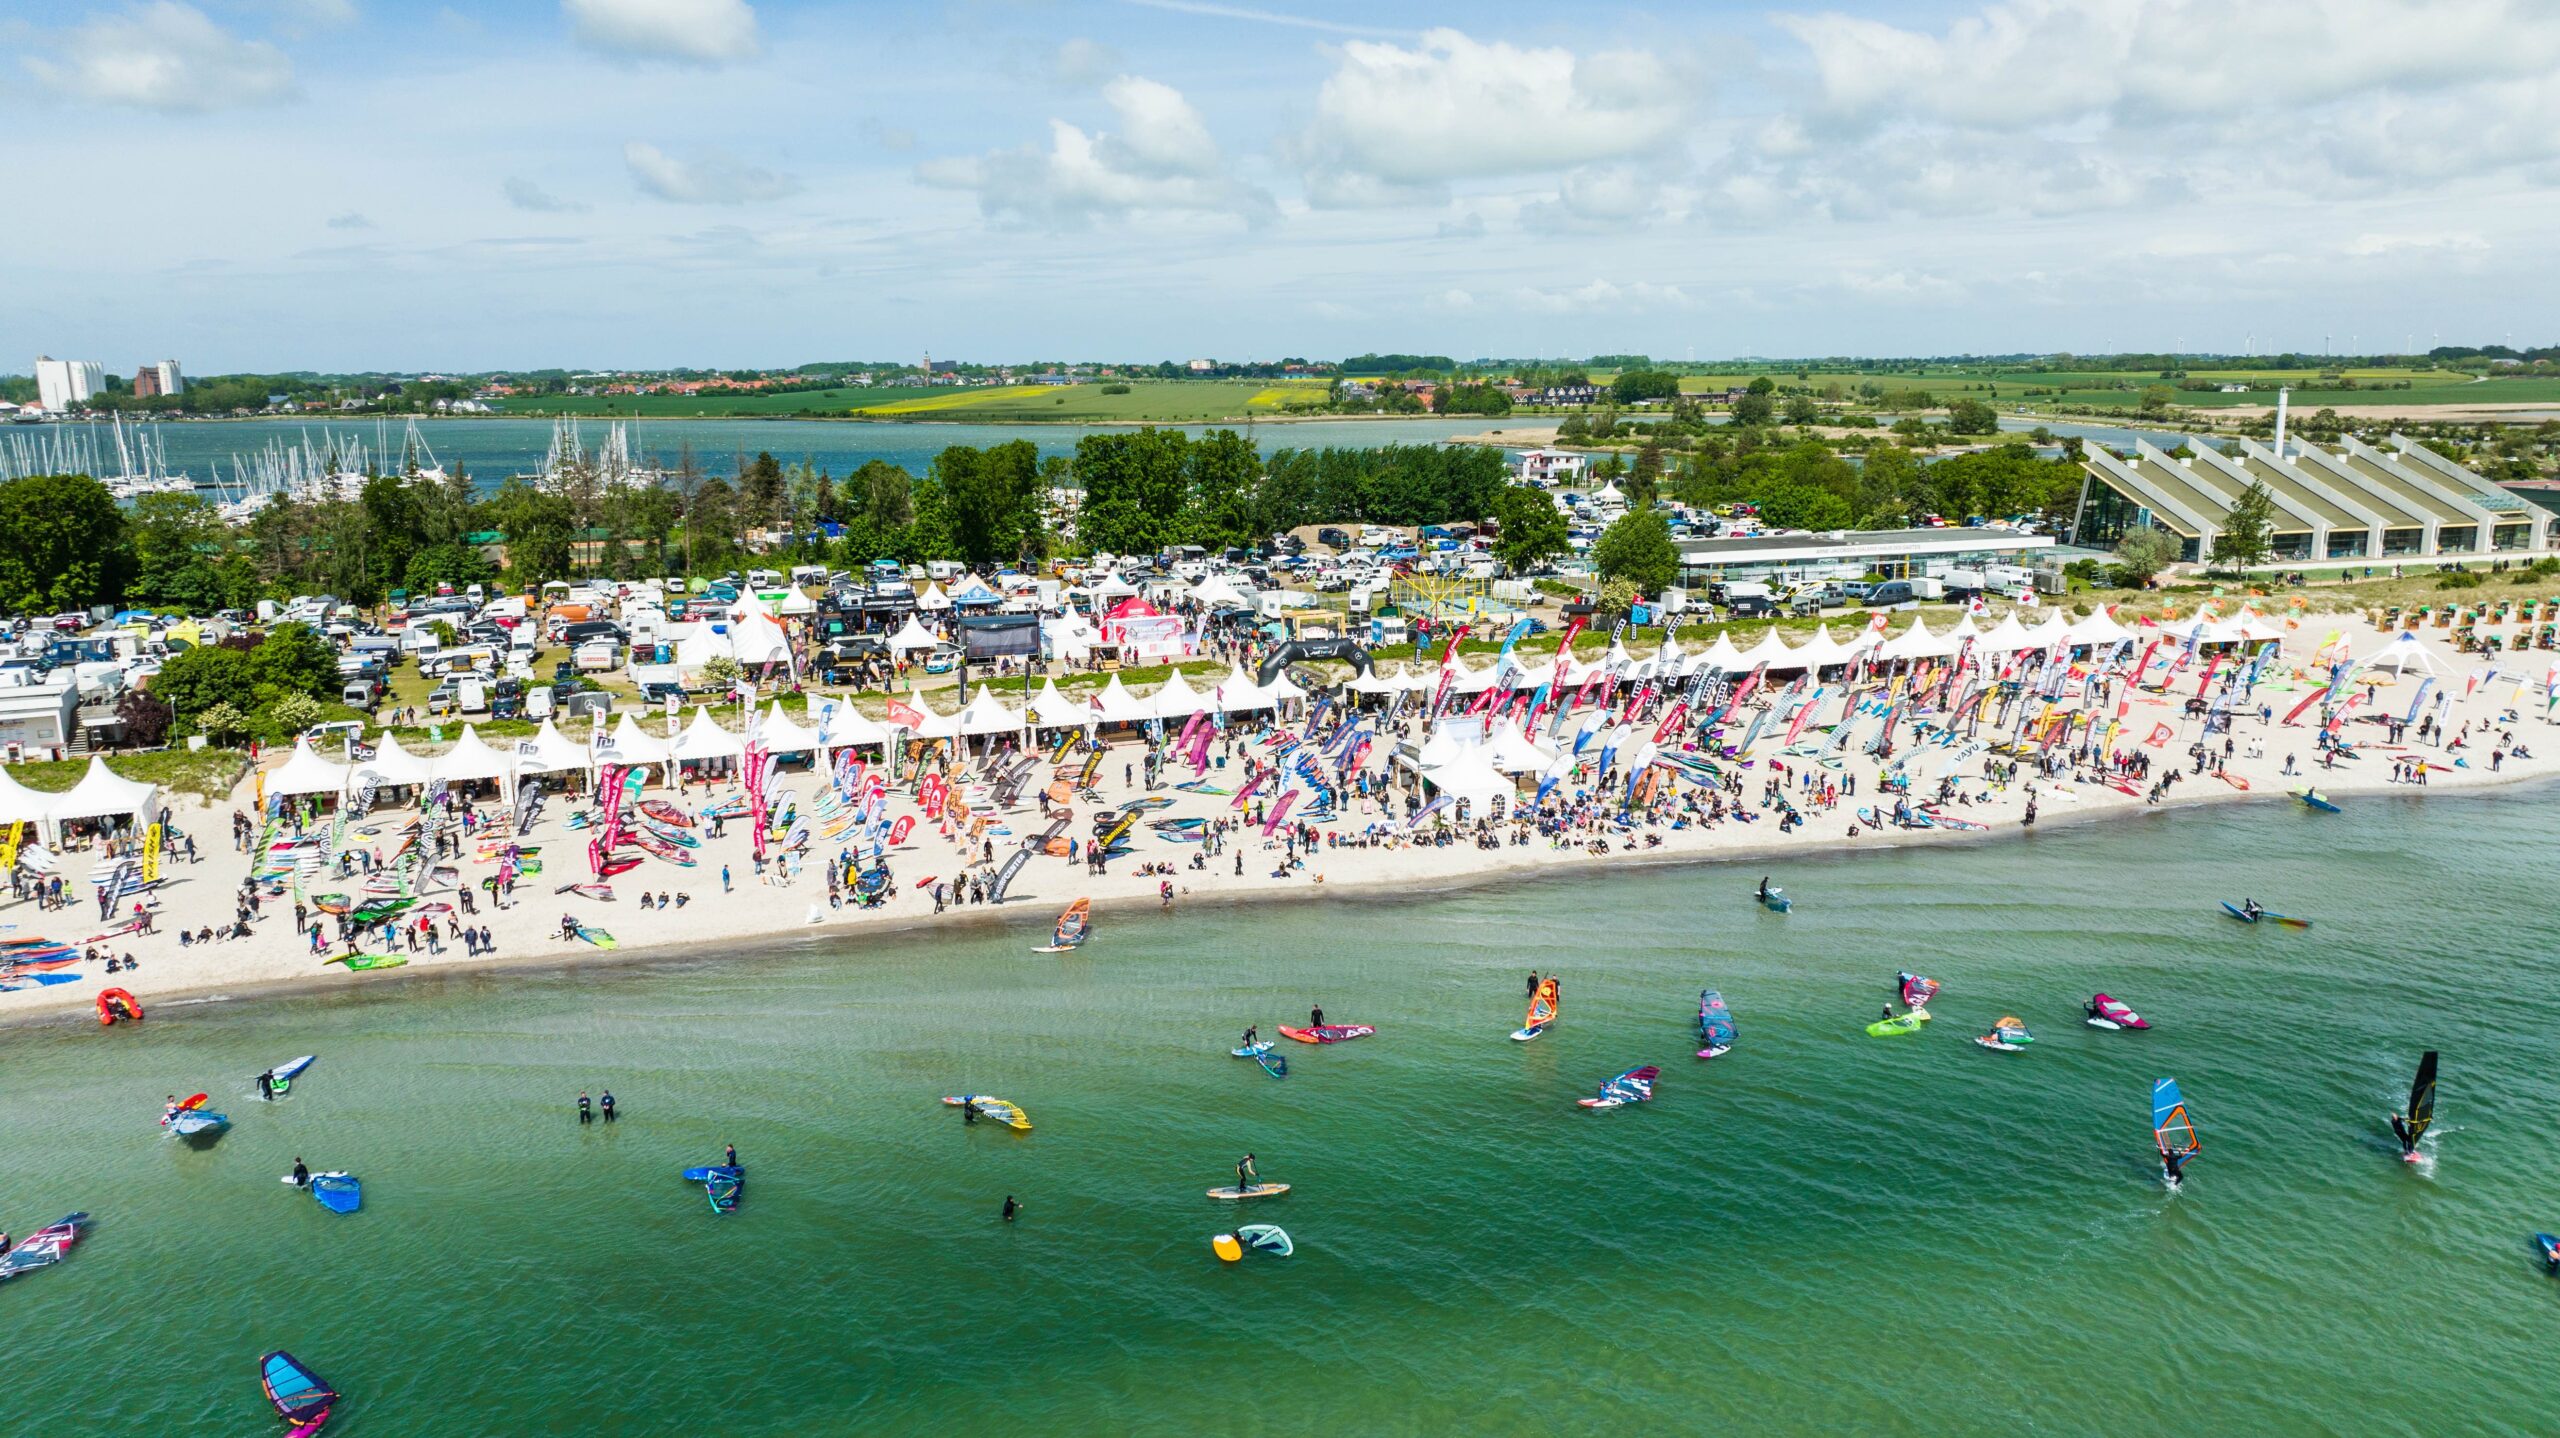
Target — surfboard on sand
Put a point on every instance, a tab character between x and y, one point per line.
1259	1190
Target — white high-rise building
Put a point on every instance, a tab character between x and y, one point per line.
171	382
64	383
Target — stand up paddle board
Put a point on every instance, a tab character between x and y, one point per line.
1259	1190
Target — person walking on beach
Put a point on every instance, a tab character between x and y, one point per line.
724	878
586	1108
606	1103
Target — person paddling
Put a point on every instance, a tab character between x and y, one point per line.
2250	909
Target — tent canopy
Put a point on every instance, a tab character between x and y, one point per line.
102	793
305	772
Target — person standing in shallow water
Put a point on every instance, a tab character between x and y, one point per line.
606	1103
586	1109
1010	1208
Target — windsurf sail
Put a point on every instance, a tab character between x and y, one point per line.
2115	1012
1917	990
2422	1104
1715	1024
1543	1005
1633	1086
300	1395
1267	1236
44	1247
1002	1111
2011	1030
1075	925
2171	1129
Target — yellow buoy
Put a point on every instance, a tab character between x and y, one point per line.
1227	1247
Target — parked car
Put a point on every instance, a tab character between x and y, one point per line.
942	660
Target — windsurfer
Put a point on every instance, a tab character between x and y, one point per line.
729	1156
2251	909
1888	1011
2170	1164
1764	891
2400	1131
1010	1208
968	1110
1533	983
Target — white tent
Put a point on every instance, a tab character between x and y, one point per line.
2055	630
303	773
1051	709
1238	692
797	604
1721	656
2010	635
936	724
933	599
1916	642
1510	751
1772	651
1470	776
705	739
471	760
1069	637
1377	681
1283	689
18	802
986	714
1468	680
1216	590
782	734
391	765
911	636
549	752
1822	650
630	744
1176	699
972	590
746	633
102	793
2253	626
841	726
2100	631
2404	654
1119	706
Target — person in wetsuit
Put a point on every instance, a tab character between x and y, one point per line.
2249	909
267	1083
1245	1174
301	1175
1315	1017
1010	1208
606	1103
1252	1035
586	1108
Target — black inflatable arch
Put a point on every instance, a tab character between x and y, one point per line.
1350	651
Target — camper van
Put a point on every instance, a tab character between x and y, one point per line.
943	571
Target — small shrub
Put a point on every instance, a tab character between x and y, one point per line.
2463	579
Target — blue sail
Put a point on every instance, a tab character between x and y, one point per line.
1715	1022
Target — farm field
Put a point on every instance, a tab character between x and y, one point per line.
1160	401
710	406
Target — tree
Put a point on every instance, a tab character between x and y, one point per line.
2247	533
720	673
1754	406
1802	410
1638	549
294	713
293	660
62	544
2143	553
1533	529
1637	384
198	679
145	718
1972	416
2157	398
178	546
221	721
993	499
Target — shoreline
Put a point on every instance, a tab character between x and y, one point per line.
1535	863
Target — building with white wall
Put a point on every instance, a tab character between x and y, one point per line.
64	383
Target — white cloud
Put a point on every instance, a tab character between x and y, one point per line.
1395	122
351	220
710	177
524	194
1597	197
2447	242
1642	296
1160	157
684	32
164	56
1082	63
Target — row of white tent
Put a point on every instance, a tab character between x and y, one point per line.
102	793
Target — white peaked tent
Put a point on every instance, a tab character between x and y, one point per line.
2402	655
1822	651
1119	706
304	772
986	714
933	600
2054	630
1470	775
705	739
471	760
1721	657
631	744
1772	651
936	725
2010	635
549	752
1051	709
782	734
910	637
970	589
842	726
391	765
1963	630
1510	751
746	633
102	793
19	803
2253	626
797	604
1176	699
1916	642
1238	692
1467	679
1282	690
1215	590
2100	631
1377	682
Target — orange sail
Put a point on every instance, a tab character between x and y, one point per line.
1543	1005
1075	924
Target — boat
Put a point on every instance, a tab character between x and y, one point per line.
2172	1130
2007	1036
281	1077
1268	1237
1898	1025
338	1191
1633	1086
1328	1034
2107	1013
2244	916
302	1398
1715	1026
2313	798
115	1004
1003	1112
1774	899
2412	1126
1074	927
43	1248
1916	989
1542	1010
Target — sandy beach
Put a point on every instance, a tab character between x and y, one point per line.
275	962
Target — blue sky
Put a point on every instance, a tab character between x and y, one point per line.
267	184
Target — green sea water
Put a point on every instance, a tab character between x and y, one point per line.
1819	1233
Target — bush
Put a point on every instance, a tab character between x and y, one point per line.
294	713
2463	579
2525	576
1115	389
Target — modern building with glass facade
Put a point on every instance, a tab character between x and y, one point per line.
2346	502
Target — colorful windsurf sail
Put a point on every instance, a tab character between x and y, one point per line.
1917	990
1543	1006
44	1247
1075	925
1633	1086
301	1396
1715	1025
2171	1129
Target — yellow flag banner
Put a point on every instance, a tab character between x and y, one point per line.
9	847
151	855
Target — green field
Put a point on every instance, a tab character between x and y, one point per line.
1165	401
709	406
2103	389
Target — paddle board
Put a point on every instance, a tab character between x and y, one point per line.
1524	1035
1259	1190
1057	948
